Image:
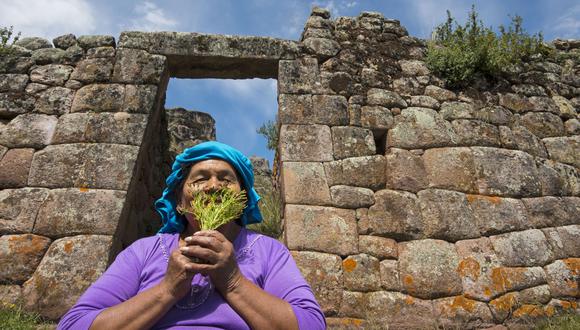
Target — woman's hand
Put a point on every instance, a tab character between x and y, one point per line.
177	280
218	252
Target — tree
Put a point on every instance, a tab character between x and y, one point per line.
5	44
270	131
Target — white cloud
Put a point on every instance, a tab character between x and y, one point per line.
567	25
48	18
151	18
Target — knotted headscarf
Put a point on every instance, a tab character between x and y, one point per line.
174	222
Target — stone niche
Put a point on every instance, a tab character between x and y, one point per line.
406	204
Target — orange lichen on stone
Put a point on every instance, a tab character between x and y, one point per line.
487	291
408	280
469	267
462	302
504	279
505	302
573	265
349	265
409	300
550	311
68	247
568	304
26	244
529	310
349	321
492	199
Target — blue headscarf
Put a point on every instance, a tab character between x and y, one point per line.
173	222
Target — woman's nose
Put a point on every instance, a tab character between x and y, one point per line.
213	184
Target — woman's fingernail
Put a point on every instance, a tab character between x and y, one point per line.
183	249
188	239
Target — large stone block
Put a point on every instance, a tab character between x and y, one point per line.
524	140
563	277
476	133
408	86
447	215
522	249
543	124
99	98
324	229
450	168
405	171
515	102
52	291
93	70
361	273
120	128
353	305
324	274
15	64
564	149
20	255
352	142
390	279
376	118
12	82
394	310
475	268
81	165
439	93
305	183
351	197
460	312
549	212
14	104
424	101
495	215
544	104
414	68
566	107
51	74
457	110
135	66
395	214
322	47
385	98
68	212
10	294
367	172
307	143
418	128
28	131
296	109
54	101
298	76
428	268
139	98
380	247
564	241
18	209
91	41
505	172
330	110
14	168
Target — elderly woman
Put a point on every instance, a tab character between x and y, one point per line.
184	277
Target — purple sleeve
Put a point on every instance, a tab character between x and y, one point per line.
285	281
119	283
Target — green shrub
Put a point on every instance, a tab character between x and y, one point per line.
270	131
5	43
270	206
461	53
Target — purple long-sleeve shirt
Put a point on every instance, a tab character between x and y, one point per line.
261	259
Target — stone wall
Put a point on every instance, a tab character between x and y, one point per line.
412	205
405	203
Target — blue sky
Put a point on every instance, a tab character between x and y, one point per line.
241	106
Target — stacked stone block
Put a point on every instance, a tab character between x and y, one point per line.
74	123
411	205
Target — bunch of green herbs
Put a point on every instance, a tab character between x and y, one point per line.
216	208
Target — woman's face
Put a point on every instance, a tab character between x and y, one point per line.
208	176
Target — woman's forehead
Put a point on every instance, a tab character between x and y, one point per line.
217	165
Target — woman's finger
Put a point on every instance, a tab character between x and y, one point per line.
213	233
196	251
209	242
